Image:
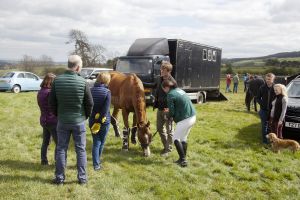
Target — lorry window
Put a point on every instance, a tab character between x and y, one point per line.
138	66
214	56
204	54
209	56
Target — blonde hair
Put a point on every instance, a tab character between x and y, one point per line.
103	77
282	89
74	61
166	65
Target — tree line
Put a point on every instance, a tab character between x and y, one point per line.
93	55
274	62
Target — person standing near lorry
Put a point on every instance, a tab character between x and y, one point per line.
163	122
265	96
235	82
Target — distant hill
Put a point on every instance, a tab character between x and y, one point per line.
289	55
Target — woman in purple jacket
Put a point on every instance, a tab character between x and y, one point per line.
47	120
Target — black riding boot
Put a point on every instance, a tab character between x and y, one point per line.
115	126
133	135
184	146
182	162
126	133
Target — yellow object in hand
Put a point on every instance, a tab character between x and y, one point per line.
95	128
103	120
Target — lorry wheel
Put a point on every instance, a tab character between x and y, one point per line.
16	89
200	98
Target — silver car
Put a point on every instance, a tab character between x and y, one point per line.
90	74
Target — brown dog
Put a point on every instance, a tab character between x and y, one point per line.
278	144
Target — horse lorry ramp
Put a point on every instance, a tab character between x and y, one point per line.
196	67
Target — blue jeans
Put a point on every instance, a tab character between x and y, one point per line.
64	132
48	131
227	88
235	87
98	144
264	125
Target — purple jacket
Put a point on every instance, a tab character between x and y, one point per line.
47	116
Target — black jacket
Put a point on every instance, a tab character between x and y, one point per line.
265	97
160	95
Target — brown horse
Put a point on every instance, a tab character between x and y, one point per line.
127	93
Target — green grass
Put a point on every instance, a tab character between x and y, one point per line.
226	160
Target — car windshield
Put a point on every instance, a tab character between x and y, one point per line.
293	89
85	73
138	66
8	75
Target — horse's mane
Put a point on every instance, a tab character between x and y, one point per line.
140	99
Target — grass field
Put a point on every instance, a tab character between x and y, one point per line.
226	160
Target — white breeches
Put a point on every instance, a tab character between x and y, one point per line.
183	129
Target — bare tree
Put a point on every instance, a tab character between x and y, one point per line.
46	61
91	54
28	63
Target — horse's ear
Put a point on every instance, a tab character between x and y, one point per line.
148	124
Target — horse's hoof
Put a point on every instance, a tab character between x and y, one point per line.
133	142
147	152
125	148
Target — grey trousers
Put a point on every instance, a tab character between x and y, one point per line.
165	129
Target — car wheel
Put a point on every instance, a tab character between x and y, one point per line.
16	89
201	98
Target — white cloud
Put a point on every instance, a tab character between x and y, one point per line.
240	27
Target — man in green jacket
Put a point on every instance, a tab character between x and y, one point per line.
182	111
72	102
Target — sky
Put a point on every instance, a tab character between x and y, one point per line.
242	28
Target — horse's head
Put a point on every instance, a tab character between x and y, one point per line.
145	137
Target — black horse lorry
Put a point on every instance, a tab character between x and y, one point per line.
196	67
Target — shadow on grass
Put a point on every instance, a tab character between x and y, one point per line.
17	178
134	156
17	165
114	154
24	165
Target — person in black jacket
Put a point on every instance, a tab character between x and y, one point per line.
163	122
264	98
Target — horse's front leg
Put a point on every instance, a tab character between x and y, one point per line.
114	121
133	130
126	130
